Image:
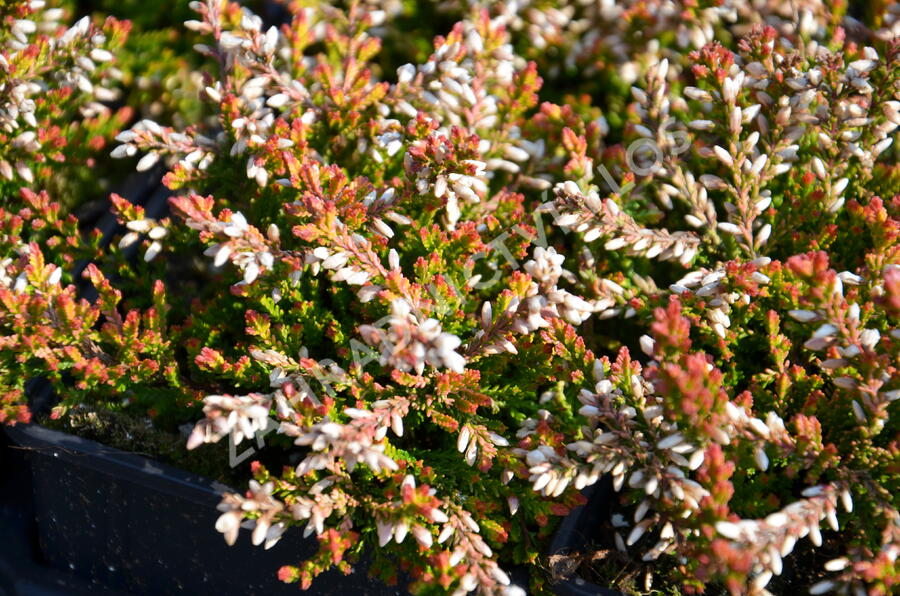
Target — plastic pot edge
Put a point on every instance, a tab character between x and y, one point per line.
575	533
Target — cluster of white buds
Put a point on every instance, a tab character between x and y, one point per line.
241	244
470	547
272	90
750	166
456	186
22	28
549	473
473	438
246	44
454	86
653	107
197	151
387	143
350	260
84	44
286	371
637	445
334	444
774	537
397	527
156	231
385	414
544	300
705	282
242	416
760	433
409	343
709	284
667	139
321	257
451	186
577	32
595	218
17	281
319	505
260	503
253	128
650	451
545	297
850	119
381	207
6	279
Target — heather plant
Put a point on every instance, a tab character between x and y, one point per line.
651	241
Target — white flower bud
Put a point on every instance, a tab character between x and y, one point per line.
147	162
406	73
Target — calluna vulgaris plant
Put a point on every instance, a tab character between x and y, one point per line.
655	240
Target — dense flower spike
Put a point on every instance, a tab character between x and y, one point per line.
449	278
597	219
408	344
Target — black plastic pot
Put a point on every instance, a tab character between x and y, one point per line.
21	569
577	532
118	521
